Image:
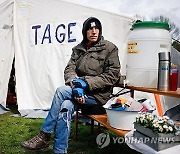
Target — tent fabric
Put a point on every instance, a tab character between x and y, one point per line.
6	47
41	41
42	36
3	109
33	113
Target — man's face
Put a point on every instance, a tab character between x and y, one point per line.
92	34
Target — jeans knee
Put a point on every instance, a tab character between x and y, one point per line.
64	91
63	88
60	89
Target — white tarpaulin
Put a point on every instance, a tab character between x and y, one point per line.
6	47
44	34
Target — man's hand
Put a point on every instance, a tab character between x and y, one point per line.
78	94
80	100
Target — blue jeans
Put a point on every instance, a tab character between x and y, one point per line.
59	117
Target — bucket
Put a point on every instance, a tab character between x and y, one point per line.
121	119
145	41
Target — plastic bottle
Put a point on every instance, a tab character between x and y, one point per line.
173	78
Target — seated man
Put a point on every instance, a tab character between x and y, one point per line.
90	74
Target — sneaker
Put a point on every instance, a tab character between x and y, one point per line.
40	141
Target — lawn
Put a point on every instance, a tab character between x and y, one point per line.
14	130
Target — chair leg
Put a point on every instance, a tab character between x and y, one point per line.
76	126
99	128
92	126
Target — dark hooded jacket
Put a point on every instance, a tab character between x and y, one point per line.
99	66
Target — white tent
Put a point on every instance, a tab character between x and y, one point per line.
40	35
6	47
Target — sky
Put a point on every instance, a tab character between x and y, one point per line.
145	8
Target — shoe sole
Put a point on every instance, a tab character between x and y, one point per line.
32	149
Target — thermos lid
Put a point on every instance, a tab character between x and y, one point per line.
164	56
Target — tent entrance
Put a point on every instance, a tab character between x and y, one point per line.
11	95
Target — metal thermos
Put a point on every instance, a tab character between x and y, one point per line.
163	71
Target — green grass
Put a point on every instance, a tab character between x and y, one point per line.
14	130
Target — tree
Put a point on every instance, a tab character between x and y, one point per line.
140	18
174	30
176	45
